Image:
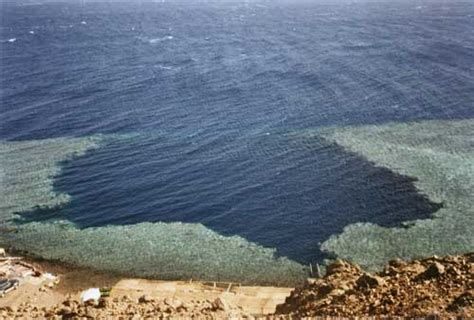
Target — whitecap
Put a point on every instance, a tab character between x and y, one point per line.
155	40
163	67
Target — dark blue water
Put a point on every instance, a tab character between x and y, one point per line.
220	95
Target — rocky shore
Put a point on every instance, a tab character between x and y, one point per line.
126	308
430	287
440	287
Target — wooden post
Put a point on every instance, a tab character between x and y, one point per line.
318	270
311	270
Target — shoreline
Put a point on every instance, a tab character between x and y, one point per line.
73	278
83	277
435	286
73	281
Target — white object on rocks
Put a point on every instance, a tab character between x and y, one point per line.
90	294
49	276
2	252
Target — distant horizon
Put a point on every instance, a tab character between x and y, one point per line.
414	2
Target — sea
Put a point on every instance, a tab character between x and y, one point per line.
181	138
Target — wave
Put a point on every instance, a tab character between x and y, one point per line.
164	67
155	40
164	250
440	154
11	40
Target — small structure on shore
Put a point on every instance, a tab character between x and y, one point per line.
14	272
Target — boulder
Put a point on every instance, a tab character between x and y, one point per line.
465	300
338	292
335	267
220	304
325	289
369	281
434	270
396	263
145	299
103	303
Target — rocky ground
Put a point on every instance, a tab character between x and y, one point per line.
434	286
127	308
